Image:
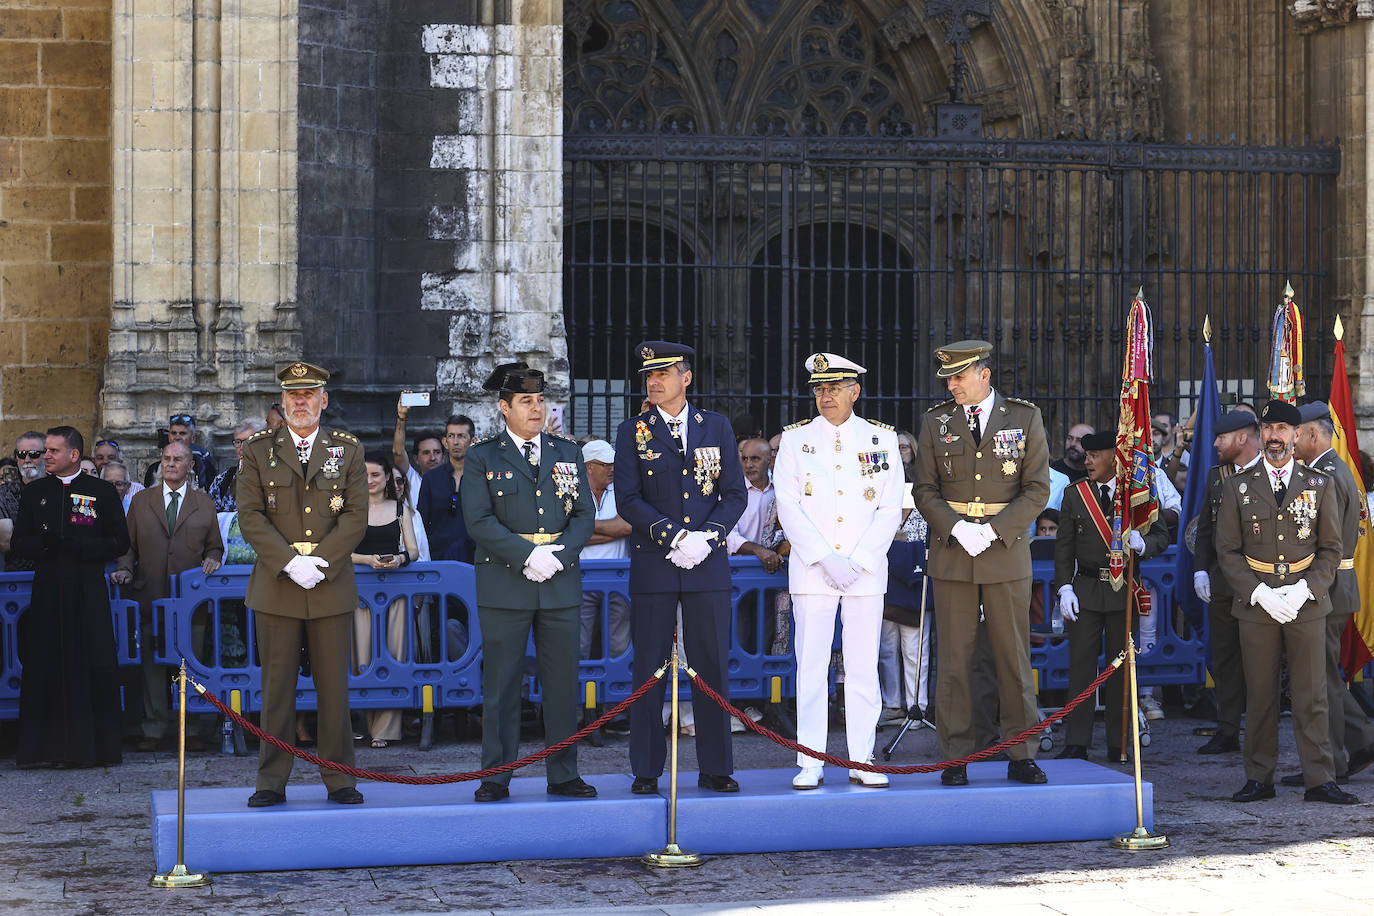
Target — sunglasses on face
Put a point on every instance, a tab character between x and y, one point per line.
31	454
184	419
110	442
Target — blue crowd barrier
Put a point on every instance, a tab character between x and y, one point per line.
1174	658
203	609
16	591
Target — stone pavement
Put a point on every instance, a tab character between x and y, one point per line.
79	842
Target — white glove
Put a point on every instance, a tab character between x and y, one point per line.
1297	594
534	576
695	546
1202	585
305	571
1137	542
1068	603
680	559
839	572
543	562
1273	603
973	538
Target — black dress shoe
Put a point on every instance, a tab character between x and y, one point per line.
490	791
644	785
1293	779
1253	790
346	796
1330	793
1360	759
717	783
954	776
1027	771
573	788
1072	752
1220	744
266	798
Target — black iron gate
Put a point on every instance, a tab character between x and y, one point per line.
760	251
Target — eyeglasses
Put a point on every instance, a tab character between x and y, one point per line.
831	390
109	442
185	419
120	484
32	454
453	503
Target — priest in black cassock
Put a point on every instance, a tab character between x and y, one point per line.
70	525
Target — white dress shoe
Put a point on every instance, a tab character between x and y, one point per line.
871	780
808	778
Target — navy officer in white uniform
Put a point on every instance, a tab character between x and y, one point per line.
839	488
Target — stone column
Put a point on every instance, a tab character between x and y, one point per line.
205	209
504	292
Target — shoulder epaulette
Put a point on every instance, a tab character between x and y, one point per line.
259	434
940	406
344	435
798	425
881	425
1022	401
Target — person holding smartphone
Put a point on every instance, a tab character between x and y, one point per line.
389	543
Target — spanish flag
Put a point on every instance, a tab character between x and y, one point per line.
1357	645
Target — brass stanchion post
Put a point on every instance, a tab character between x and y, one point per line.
179	876
672	856
1140	838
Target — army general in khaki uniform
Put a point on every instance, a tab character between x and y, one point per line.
983	475
302	500
1279	543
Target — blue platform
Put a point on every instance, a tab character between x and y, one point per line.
430	825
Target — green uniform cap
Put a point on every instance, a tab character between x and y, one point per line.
301	375
958	356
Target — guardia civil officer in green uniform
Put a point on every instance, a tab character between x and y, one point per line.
982	476
1279	543
302	501
1082	554
1351	731
528	510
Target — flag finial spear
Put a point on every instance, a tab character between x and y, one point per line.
1207	328
1140	293
1287	290
1340	328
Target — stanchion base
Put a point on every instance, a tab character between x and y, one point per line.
180	877
671	856
1138	839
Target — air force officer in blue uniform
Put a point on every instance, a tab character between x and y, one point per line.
680	485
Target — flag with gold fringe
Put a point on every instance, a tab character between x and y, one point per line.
1357	643
1285	363
1137	496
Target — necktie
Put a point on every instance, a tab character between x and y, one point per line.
675	427
974	426
1104	498
528	448
172	511
1280	486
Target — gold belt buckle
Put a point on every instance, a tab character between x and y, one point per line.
975	510
1280	569
304	548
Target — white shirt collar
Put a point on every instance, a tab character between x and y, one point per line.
681	417
1287	470
1314	461
1249	464
180	491
297	438
1110	484
67	480
520	443
984	408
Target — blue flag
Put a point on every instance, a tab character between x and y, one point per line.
1202	458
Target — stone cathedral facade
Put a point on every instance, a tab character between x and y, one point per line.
195	191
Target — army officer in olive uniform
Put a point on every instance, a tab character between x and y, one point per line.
982	476
1279	543
302	500
528	510
1082	553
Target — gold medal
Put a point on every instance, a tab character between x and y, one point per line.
567	507
1009	468
870	494
336	503
707	487
1304	533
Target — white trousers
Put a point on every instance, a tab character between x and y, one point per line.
901	653
862	617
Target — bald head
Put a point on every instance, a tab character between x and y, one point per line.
176	463
756	458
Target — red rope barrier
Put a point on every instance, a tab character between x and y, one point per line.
442	779
908	770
